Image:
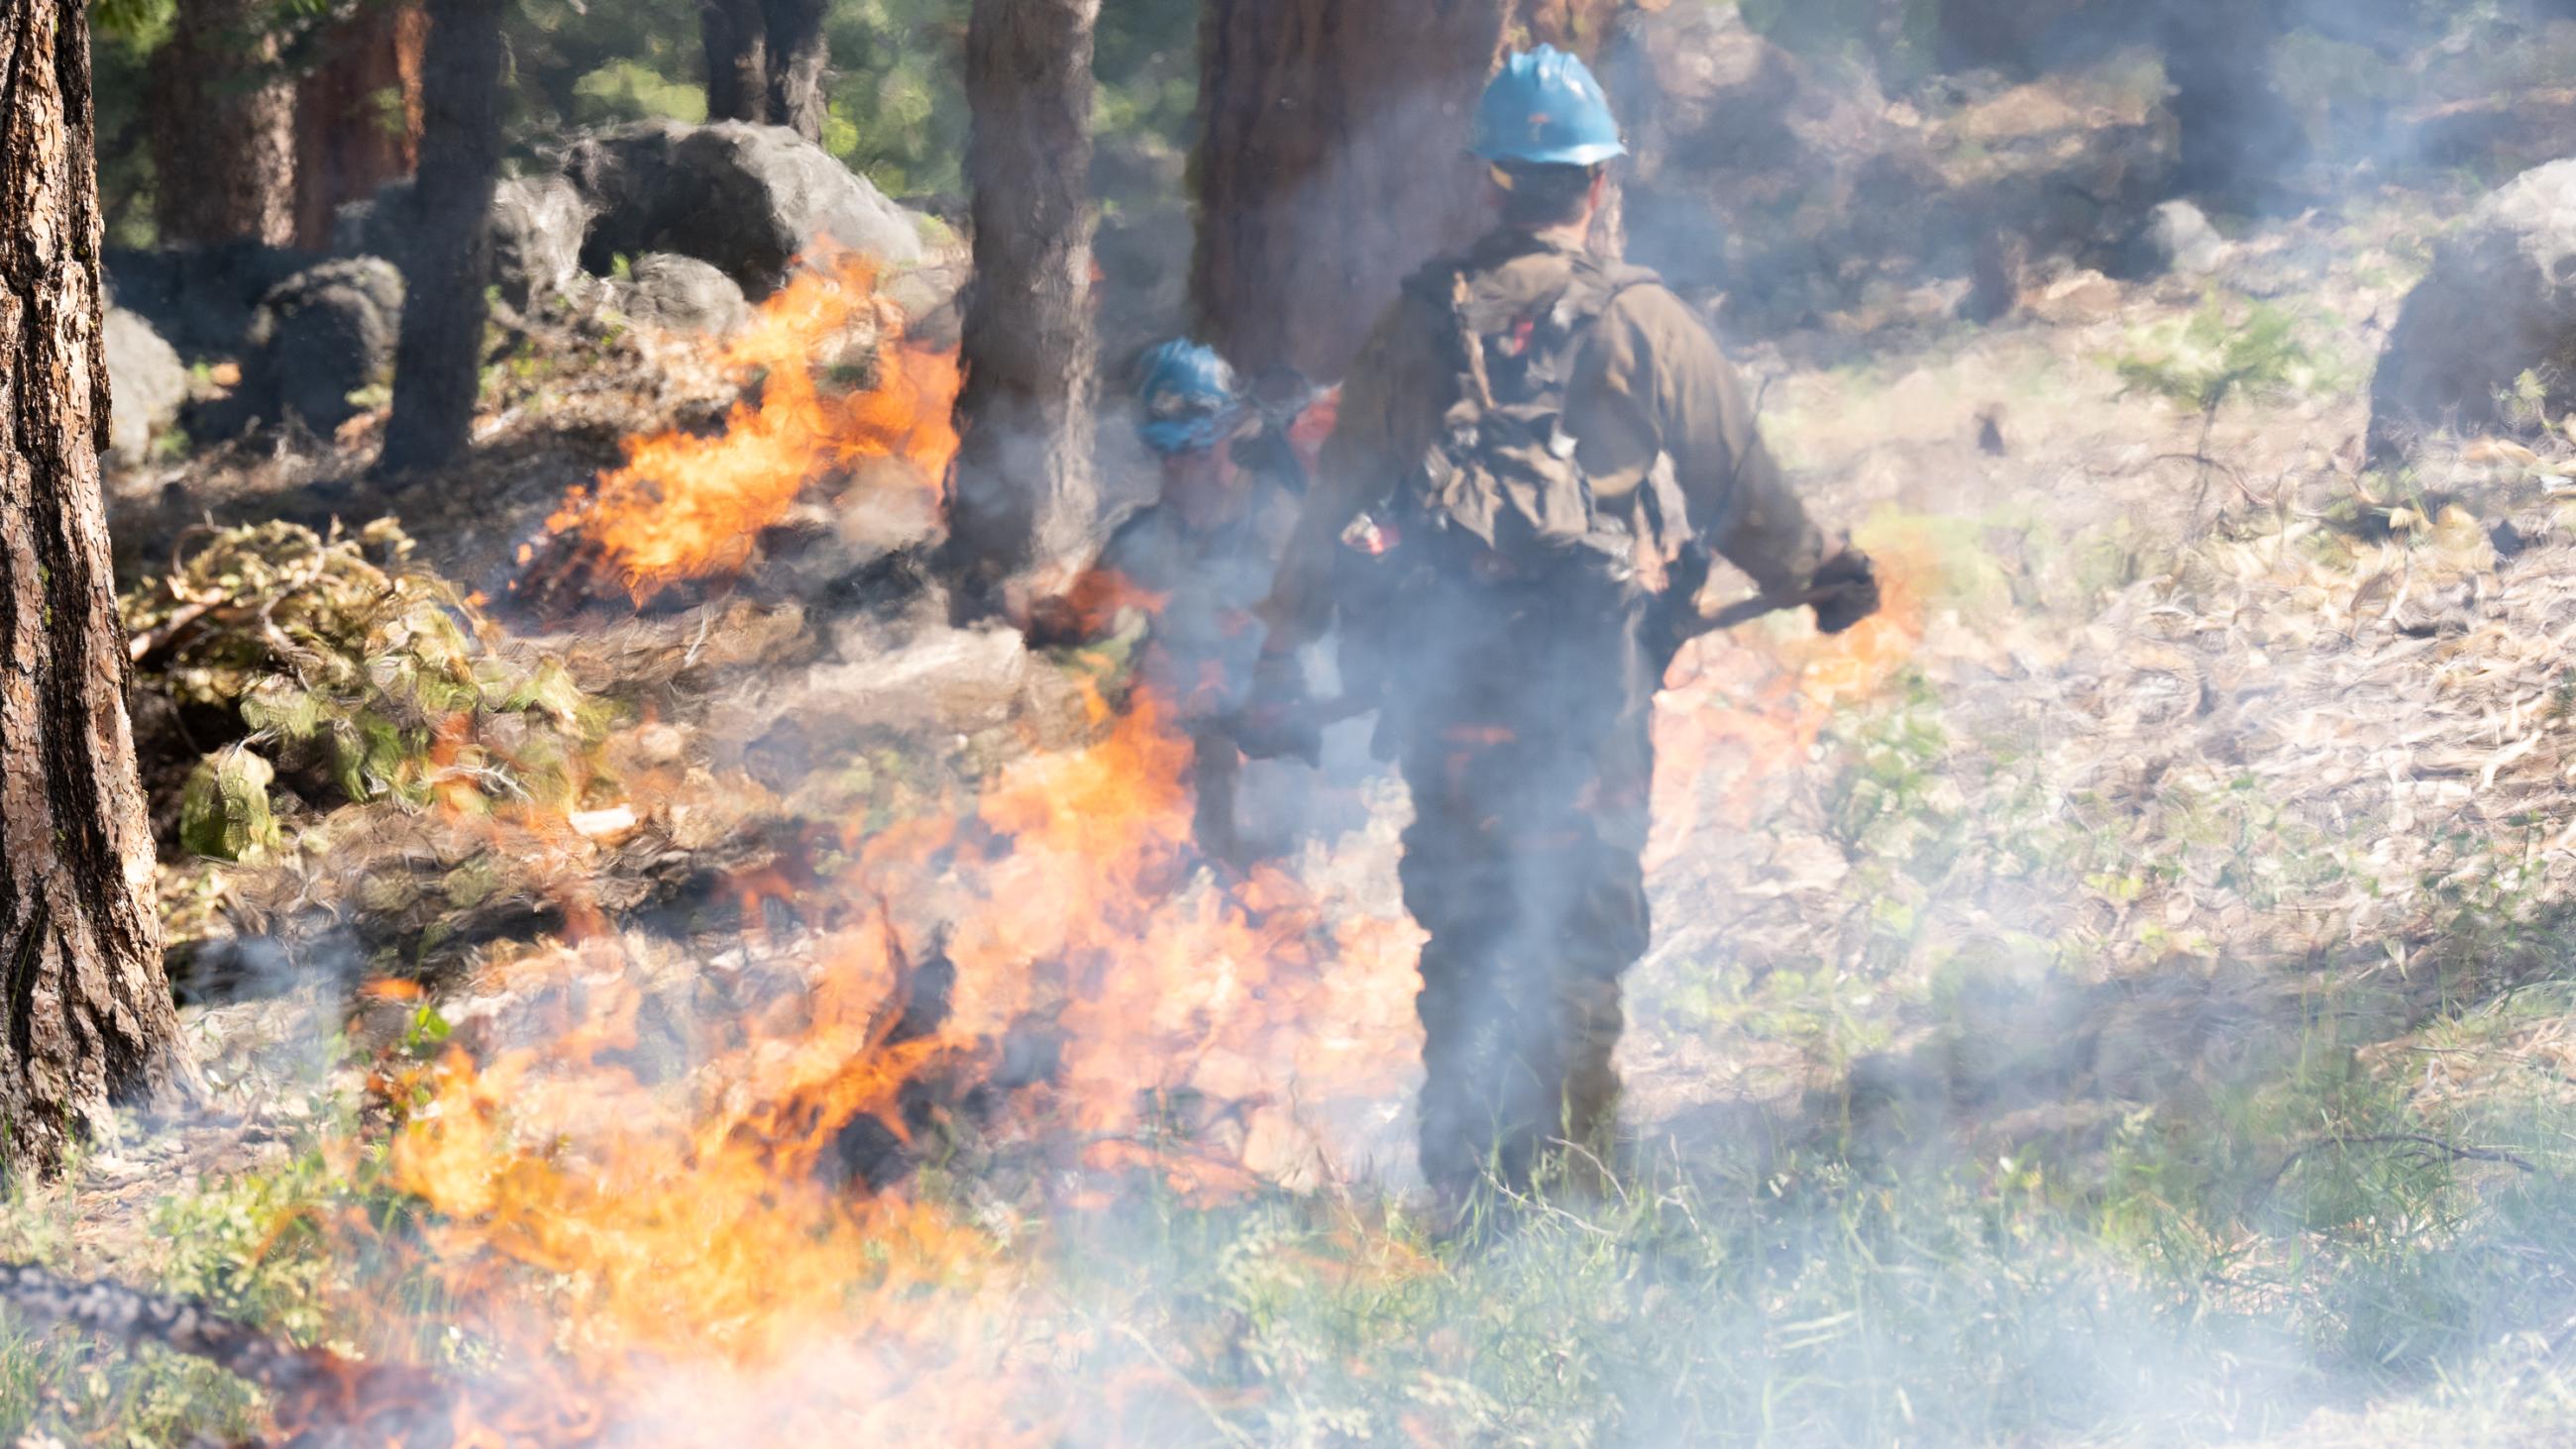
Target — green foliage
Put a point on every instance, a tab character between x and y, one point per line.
132	22
224	809
1899	40
327	651
894	90
2216	356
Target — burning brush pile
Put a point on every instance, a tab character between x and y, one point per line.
816	893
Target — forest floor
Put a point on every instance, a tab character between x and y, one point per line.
2116	997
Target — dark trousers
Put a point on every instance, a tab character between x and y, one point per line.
1522	718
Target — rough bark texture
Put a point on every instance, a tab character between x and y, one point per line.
438	362
797	54
1024	493
736	34
1577	25
1329	165
358	114
85	1003
765	62
223	128
1330	158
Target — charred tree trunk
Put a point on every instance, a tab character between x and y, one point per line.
1329	158
765	62
797	54
81	987
1329	165
438	361
223	128
736	34
1024	493
358	114
1576	25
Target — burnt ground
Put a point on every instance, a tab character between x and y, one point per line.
2188	752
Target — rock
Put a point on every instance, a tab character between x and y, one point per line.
380	226
681	294
2498	302
201	299
750	199
538	223
322	334
146	384
2176	239
535	233
929	297
1712	94
2077	298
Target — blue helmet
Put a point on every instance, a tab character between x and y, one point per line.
1189	397
1545	109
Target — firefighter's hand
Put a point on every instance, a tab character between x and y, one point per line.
1278	720
1847	590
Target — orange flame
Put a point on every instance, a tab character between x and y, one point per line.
586	1208
1738	713
687	506
658	1211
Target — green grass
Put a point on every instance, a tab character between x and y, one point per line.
2188	1286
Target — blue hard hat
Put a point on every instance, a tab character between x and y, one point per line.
1189	397
1545	109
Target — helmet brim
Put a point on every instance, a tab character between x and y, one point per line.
1590	154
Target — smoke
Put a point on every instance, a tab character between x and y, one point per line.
1956	1120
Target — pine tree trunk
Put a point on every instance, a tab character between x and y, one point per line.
1330	160
223	128
1330	165
1024	495
1576	25
358	114
82	992
797	55
438	360
736	35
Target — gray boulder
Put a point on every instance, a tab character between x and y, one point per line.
749	199
535	233
931	299
537	226
681	294
321	335
201	299
146	385
2177	239
2499	302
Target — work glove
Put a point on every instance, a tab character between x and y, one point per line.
1846	590
1278	720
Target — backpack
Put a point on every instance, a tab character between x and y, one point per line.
1500	483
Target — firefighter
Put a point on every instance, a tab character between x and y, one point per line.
1189	568
1536	449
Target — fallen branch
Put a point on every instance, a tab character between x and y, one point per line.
2452	1151
182	1325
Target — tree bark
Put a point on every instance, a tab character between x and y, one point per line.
1576	25
736	35
223	128
357	114
82	994
1024	494
1329	165
438	360
797	55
